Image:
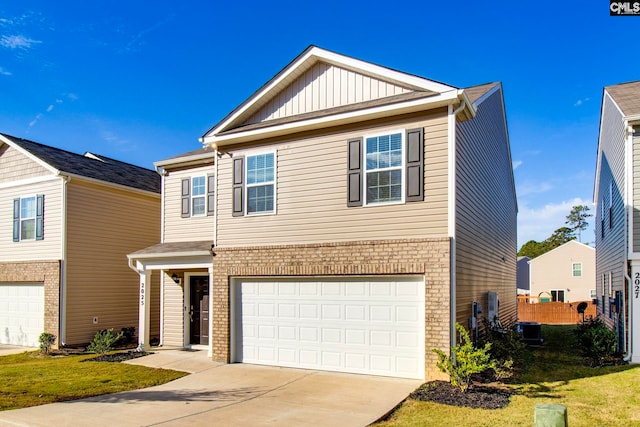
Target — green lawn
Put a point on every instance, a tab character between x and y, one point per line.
29	379
608	396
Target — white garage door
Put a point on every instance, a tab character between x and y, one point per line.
21	314
368	326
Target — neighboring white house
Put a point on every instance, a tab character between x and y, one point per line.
565	274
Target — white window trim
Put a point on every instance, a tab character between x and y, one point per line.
247	185
35	218
203	196
573	270
402	167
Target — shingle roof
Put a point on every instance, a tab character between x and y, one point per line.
475	92
173	249
102	169
627	96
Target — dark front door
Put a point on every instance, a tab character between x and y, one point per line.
199	310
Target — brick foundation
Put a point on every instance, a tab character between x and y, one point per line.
46	272
425	257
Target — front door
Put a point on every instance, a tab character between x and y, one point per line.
199	310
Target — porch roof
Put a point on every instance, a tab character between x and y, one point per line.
174	249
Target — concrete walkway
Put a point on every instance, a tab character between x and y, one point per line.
6	349
229	395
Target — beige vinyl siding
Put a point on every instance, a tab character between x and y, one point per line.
176	228
48	249
311	193
554	270
611	250
173	303
485	212
104	225
15	166
324	86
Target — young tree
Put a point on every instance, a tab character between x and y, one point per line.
577	219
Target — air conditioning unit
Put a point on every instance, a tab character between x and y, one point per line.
492	306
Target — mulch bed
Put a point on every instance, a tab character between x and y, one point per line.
484	397
118	357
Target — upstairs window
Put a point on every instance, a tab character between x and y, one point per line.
198	196
254	185
577	269
28	218
383	168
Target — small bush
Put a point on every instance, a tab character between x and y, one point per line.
465	360
596	341
511	355
128	334
46	342
104	341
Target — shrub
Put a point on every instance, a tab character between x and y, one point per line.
128	334
595	340
46	341
103	341
465	360
510	354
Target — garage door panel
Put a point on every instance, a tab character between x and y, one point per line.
21	313
363	326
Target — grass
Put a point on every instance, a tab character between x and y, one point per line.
30	379
608	396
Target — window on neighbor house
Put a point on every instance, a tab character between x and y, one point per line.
593	294
557	295
577	269
28	218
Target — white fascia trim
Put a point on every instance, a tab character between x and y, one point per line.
357	65
596	184
111	184
435	101
29	181
169	255
36	159
187	160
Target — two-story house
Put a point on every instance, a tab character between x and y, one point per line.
617	200
564	274
68	221
342	218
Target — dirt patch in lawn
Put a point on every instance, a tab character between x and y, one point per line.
477	396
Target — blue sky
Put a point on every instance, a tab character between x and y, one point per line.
141	81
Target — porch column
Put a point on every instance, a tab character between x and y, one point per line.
210	344
634	311
145	310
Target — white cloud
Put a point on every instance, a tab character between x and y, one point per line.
50	108
533	188
538	223
516	164
4	72
579	102
18	42
72	96
33	122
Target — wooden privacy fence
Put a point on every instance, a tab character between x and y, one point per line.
554	313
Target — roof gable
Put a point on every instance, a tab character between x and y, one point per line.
90	166
318	83
627	97
571	245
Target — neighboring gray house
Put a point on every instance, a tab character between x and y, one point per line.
522	276
617	200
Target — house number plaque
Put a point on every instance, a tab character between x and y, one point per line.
141	293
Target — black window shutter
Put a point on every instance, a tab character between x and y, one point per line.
40	217
16	220
238	186
186	200
211	199
354	173
415	165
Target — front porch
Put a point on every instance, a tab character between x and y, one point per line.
185	270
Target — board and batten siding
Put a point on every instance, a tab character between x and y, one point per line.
610	245
176	228
311	192
104	225
324	86
485	212
15	166
50	248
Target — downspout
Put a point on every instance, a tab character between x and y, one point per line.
452	216
213	246
629	318
628	226
62	316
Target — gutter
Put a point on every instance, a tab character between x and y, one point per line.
627	343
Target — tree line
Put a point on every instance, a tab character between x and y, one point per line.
576	223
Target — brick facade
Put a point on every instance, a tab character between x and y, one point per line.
45	272
424	257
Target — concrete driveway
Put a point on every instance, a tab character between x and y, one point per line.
6	349
223	395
